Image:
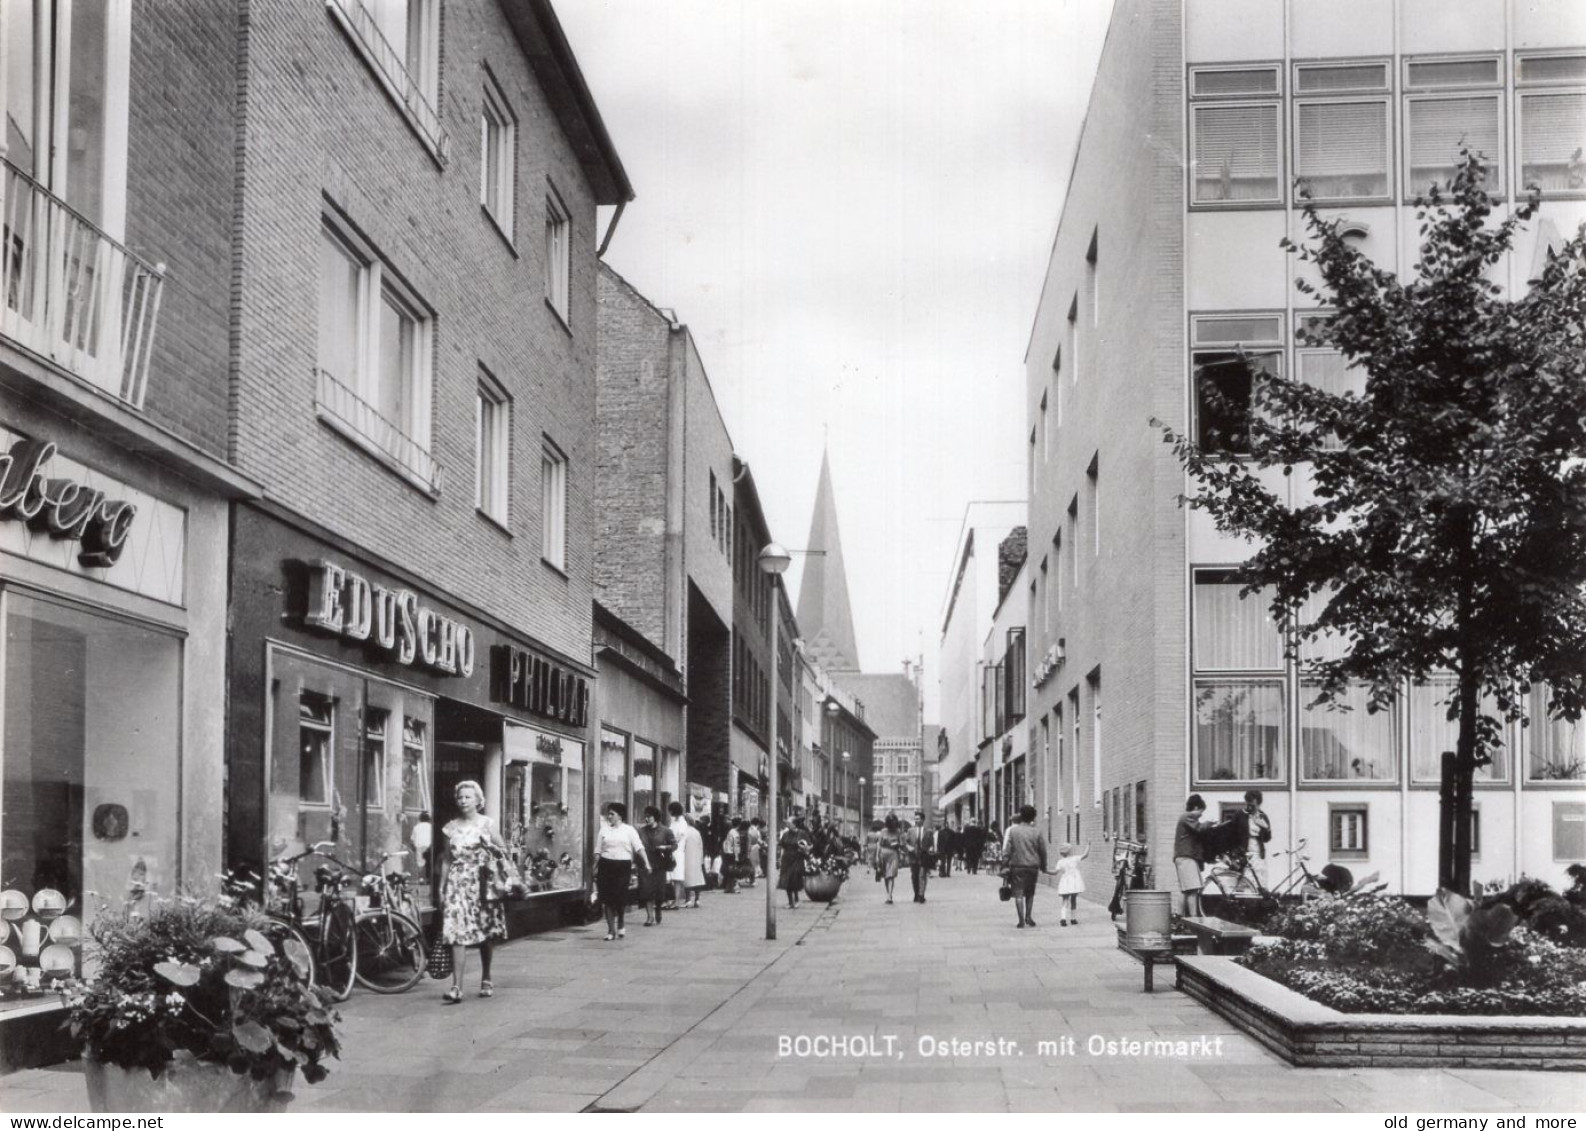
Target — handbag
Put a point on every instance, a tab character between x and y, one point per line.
1005	892
439	963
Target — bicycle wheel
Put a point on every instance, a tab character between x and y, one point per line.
390	952
283	932
336	955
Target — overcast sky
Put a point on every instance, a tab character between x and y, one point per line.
850	204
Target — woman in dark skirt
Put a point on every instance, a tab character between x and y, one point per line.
793	846
660	843
617	849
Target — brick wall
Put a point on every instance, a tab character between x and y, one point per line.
318	127
709	721
181	135
1125	618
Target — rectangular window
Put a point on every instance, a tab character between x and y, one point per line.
558	257
1346	742
1551	119
1325	368
1033	466
1073	340
1057	571
1076	749
498	157
1092	280
1347	831
1095	734
1073	541
1236	151
1062	752
1557	747
613	769
492	463
1239	718
1046	431
400	42
1093	483
415	767
1569	831
1106	817
553	506
1046	601
1341	132
1432	732
314	748
1139	810
1230	354
1128	811
1057	387
374	356
1449	104
372	771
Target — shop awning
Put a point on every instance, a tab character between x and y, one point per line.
966	772
967	786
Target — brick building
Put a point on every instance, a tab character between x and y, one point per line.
411	379
114	484
664	541
1202	115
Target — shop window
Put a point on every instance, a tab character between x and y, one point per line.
613	769
1432	732
1452	104
372	772
1551	113
1347	831
1236	151
315	731
542	814
1341	135
415	767
1557	746
643	777
92	745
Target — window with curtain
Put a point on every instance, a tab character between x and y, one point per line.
613	769
1552	122
374	752
1343	740
1557	748
1235	154
1239	718
1445	109
1341	145
1432	732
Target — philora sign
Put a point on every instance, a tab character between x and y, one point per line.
523	680
390	621
62	508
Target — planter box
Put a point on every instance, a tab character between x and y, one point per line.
822	888
1310	1034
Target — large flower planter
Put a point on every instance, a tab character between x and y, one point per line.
186	1085
822	889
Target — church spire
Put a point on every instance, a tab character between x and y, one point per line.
825	616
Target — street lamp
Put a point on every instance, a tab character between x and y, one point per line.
861	807
774	561
847	800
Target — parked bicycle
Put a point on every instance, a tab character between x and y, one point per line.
391	955
330	932
1233	876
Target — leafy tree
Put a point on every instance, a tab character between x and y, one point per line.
1443	509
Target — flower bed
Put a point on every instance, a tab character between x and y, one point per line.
1504	956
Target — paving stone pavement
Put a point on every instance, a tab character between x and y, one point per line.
692	1015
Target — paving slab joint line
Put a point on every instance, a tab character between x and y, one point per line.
691	1041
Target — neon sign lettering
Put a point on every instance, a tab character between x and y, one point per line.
63	508
538	686
392	621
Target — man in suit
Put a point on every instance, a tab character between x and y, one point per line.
974	838
918	843
946	845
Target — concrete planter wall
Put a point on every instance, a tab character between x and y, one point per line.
1307	1033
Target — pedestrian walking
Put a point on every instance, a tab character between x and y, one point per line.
792	849
888	849
731	845
468	919
974	845
868	854
688	878
917	842
946	845
1070	883
660	856
1023	860
754	850
618	850
1188	855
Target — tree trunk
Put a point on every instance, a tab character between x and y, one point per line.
1458	879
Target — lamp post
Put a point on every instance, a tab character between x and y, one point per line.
774	561
861	808
847	798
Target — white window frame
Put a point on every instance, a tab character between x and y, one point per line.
496	117
1301	351
1264	100
421	748
558	256
1366	94
1340	844
373	770
1497	174
413	89
328	763
1268	347
492	431
1526	89
377	284
553	506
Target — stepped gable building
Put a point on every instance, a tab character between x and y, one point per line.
1151	675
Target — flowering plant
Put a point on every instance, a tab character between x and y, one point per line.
834	863
209	980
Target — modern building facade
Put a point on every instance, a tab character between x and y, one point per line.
115	487
412	380
1002	764
1165	275
970	602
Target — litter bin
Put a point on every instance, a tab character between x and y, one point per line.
1148	918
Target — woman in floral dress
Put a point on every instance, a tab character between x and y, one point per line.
467	919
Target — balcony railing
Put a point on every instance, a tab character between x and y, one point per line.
72	294
392	68
350	414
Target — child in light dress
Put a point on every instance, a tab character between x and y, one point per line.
1070	883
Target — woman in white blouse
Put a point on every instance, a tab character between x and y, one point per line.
617	848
